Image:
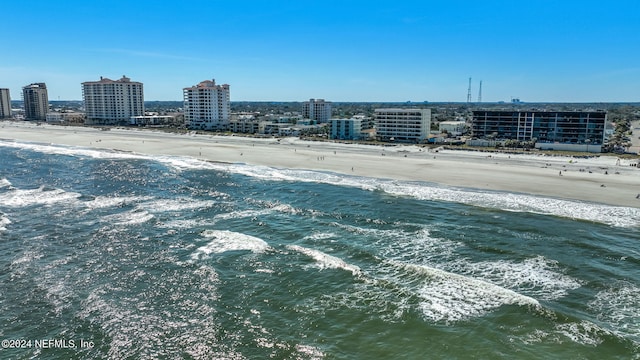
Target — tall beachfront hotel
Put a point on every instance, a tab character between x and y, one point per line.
36	101
112	102
405	125
5	104
207	106
317	109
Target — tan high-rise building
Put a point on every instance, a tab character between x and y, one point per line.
207	106
5	104
36	101
112	102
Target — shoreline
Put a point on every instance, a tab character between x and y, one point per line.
604	179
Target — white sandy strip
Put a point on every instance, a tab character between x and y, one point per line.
537	175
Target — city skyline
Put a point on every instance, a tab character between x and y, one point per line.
340	51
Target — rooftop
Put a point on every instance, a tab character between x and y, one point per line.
104	80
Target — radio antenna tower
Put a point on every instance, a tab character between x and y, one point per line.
469	92
480	93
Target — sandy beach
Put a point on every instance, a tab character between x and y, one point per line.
604	179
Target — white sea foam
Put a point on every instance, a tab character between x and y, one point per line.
187	163
73	151
185	224
536	276
132	217
265	271
224	241
4	221
451	297
283	208
416	247
286	209
584	332
178	204
618	307
325	261
39	196
176	162
612	215
319	236
4	183
401	245
309	352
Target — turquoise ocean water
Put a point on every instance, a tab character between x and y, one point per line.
117	255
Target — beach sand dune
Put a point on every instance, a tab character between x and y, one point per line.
602	179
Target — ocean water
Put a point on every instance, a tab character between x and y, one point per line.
118	255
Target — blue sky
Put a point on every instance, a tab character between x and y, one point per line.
536	50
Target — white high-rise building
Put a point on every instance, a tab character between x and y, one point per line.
403	124
207	106
5	104
36	101
317	109
112	102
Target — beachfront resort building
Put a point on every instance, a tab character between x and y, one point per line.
67	116
552	130
112	102
405	125
36	101
5	104
317	110
207	106
345	129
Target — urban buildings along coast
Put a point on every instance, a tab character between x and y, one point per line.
566	130
5	104
36	101
207	106
412	125
112	102
317	110
346	129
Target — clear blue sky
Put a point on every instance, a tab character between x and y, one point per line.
536	50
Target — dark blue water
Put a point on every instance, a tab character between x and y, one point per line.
124	256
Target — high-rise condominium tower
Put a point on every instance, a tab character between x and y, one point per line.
36	101
317	109
5	104
207	106
111	102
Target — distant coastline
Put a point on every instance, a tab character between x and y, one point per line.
605	179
